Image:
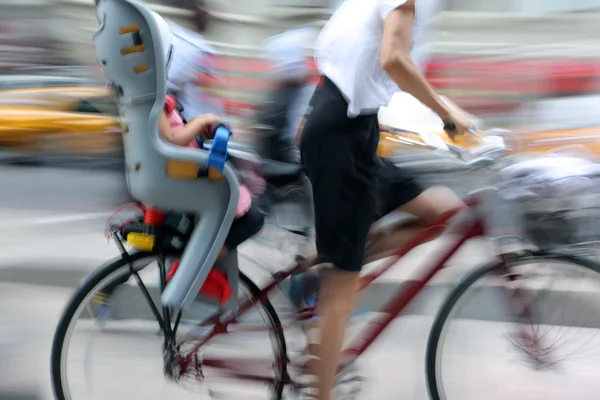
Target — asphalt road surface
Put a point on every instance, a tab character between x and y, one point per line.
478	361
75	189
50	225
79	189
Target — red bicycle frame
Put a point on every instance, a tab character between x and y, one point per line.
470	226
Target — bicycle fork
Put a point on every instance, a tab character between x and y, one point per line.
502	225
521	303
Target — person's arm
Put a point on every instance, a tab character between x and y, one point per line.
182	137
396	60
454	106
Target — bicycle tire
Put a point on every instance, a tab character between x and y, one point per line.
436	332
113	266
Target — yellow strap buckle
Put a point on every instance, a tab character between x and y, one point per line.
214	174
141	241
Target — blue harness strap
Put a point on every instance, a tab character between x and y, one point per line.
217	155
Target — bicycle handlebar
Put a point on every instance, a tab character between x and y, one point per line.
450	127
468	159
480	162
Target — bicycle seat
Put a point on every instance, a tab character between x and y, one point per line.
280	173
132	46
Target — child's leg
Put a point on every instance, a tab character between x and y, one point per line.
243	228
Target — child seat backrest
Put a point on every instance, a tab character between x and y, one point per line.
131	50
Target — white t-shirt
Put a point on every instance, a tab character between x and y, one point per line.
348	50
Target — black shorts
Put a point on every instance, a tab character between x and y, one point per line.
396	188
339	156
244	227
351	185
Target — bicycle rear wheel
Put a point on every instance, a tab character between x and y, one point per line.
549	333
130	334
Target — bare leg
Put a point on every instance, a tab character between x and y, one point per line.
339	288
336	301
432	203
385	242
427	207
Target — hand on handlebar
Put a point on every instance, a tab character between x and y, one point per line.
209	124
457	124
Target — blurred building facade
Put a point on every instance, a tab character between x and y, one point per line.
25	34
239	25
524	6
487	51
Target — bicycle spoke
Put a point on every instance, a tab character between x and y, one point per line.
92	357
543	334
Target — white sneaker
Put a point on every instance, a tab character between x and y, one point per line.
305	382
349	382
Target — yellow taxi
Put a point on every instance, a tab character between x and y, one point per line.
406	124
555	122
64	119
543	126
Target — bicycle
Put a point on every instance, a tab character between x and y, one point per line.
468	223
186	358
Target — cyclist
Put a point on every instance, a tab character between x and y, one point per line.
364	56
396	191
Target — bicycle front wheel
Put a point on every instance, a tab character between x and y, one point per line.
108	343
524	330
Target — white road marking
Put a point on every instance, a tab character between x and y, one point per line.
67	218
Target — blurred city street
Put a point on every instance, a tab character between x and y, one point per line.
52	237
394	367
52	223
530	67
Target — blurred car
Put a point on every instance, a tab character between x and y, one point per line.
556	122
57	116
407	120
45	86
78	127
543	126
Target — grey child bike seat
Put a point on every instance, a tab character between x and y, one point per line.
130	50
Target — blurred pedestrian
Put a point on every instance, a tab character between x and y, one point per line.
191	75
278	119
